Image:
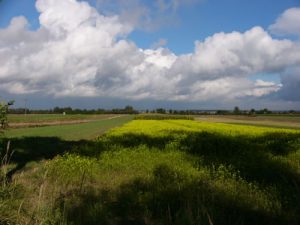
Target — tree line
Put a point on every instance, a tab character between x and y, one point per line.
69	110
131	110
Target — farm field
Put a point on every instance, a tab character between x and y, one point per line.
33	120
284	121
77	131
155	172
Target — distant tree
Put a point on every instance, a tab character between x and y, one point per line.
236	110
170	111
266	111
68	110
221	112
57	110
161	110
128	109
252	111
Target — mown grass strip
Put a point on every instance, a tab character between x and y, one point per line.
88	130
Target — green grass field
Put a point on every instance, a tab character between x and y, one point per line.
153	172
35	118
79	131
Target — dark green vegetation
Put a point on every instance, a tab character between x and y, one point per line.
156	172
4	106
68	110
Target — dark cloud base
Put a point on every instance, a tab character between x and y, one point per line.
47	102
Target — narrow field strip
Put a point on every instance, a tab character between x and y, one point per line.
267	121
60	121
88	130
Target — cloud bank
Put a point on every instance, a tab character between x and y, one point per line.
78	51
288	23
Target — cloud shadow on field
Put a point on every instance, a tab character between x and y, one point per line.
167	198
27	149
262	160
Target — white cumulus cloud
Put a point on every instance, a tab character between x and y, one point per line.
288	22
78	51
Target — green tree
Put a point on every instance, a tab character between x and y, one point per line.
161	110
236	110
266	111
252	111
3	114
128	109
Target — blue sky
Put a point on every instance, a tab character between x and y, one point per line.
178	25
194	21
212	16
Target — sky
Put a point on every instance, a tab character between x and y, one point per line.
181	54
